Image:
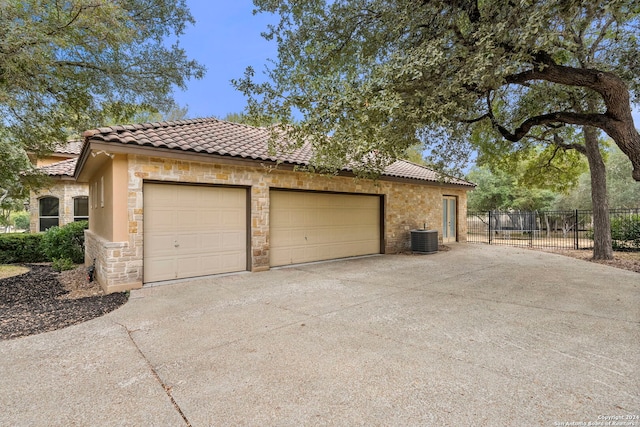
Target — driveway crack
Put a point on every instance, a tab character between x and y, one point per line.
165	387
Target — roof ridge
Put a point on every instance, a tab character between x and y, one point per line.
442	174
146	126
417	164
164	124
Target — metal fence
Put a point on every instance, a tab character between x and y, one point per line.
552	229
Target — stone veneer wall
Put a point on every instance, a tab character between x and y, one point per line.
65	191
407	206
118	267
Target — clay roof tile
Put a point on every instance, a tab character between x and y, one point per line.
213	136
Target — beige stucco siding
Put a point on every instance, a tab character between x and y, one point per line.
108	191
407	206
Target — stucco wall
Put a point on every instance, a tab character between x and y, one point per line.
407	206
65	191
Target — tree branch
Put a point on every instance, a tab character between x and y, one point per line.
546	119
559	143
601	36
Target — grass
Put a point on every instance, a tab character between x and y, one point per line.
11	270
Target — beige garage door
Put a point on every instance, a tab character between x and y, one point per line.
192	231
306	226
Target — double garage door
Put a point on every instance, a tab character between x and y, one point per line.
192	231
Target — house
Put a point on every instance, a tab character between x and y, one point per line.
64	200
198	197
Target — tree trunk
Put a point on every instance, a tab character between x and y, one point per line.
602	248
546	220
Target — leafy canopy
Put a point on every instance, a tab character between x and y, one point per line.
66	66
622	191
499	190
378	76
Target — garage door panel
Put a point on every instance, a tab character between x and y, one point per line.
161	218
230	260
306	226
163	267
230	218
233	240
160	245
189	242
192	231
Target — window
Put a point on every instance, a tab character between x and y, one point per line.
49	212
94	195
81	208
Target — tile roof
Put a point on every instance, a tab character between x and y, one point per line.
71	147
213	136
63	168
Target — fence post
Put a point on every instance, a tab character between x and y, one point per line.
575	232
489	227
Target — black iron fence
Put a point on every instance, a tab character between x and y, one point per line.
552	229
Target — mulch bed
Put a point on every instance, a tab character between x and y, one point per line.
37	302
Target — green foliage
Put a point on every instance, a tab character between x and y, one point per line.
21	247
148	114
21	220
248	120
625	232
67	66
623	192
501	191
62	264
17	176
382	76
536	165
65	242
415	154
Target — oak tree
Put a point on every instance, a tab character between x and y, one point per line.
67	66
377	76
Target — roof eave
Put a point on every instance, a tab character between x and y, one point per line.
96	144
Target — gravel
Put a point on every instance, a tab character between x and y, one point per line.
43	300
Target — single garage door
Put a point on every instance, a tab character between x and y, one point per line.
307	226
192	231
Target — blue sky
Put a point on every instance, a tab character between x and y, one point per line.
226	39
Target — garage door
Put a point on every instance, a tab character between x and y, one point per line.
306	226
192	231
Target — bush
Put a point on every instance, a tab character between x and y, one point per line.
21	220
625	232
61	264
65	242
21	247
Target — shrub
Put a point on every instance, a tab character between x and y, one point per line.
21	220
65	242
22	247
61	264
625	232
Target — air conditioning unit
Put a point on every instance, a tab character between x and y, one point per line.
424	241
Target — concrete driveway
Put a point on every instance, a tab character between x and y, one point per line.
476	336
